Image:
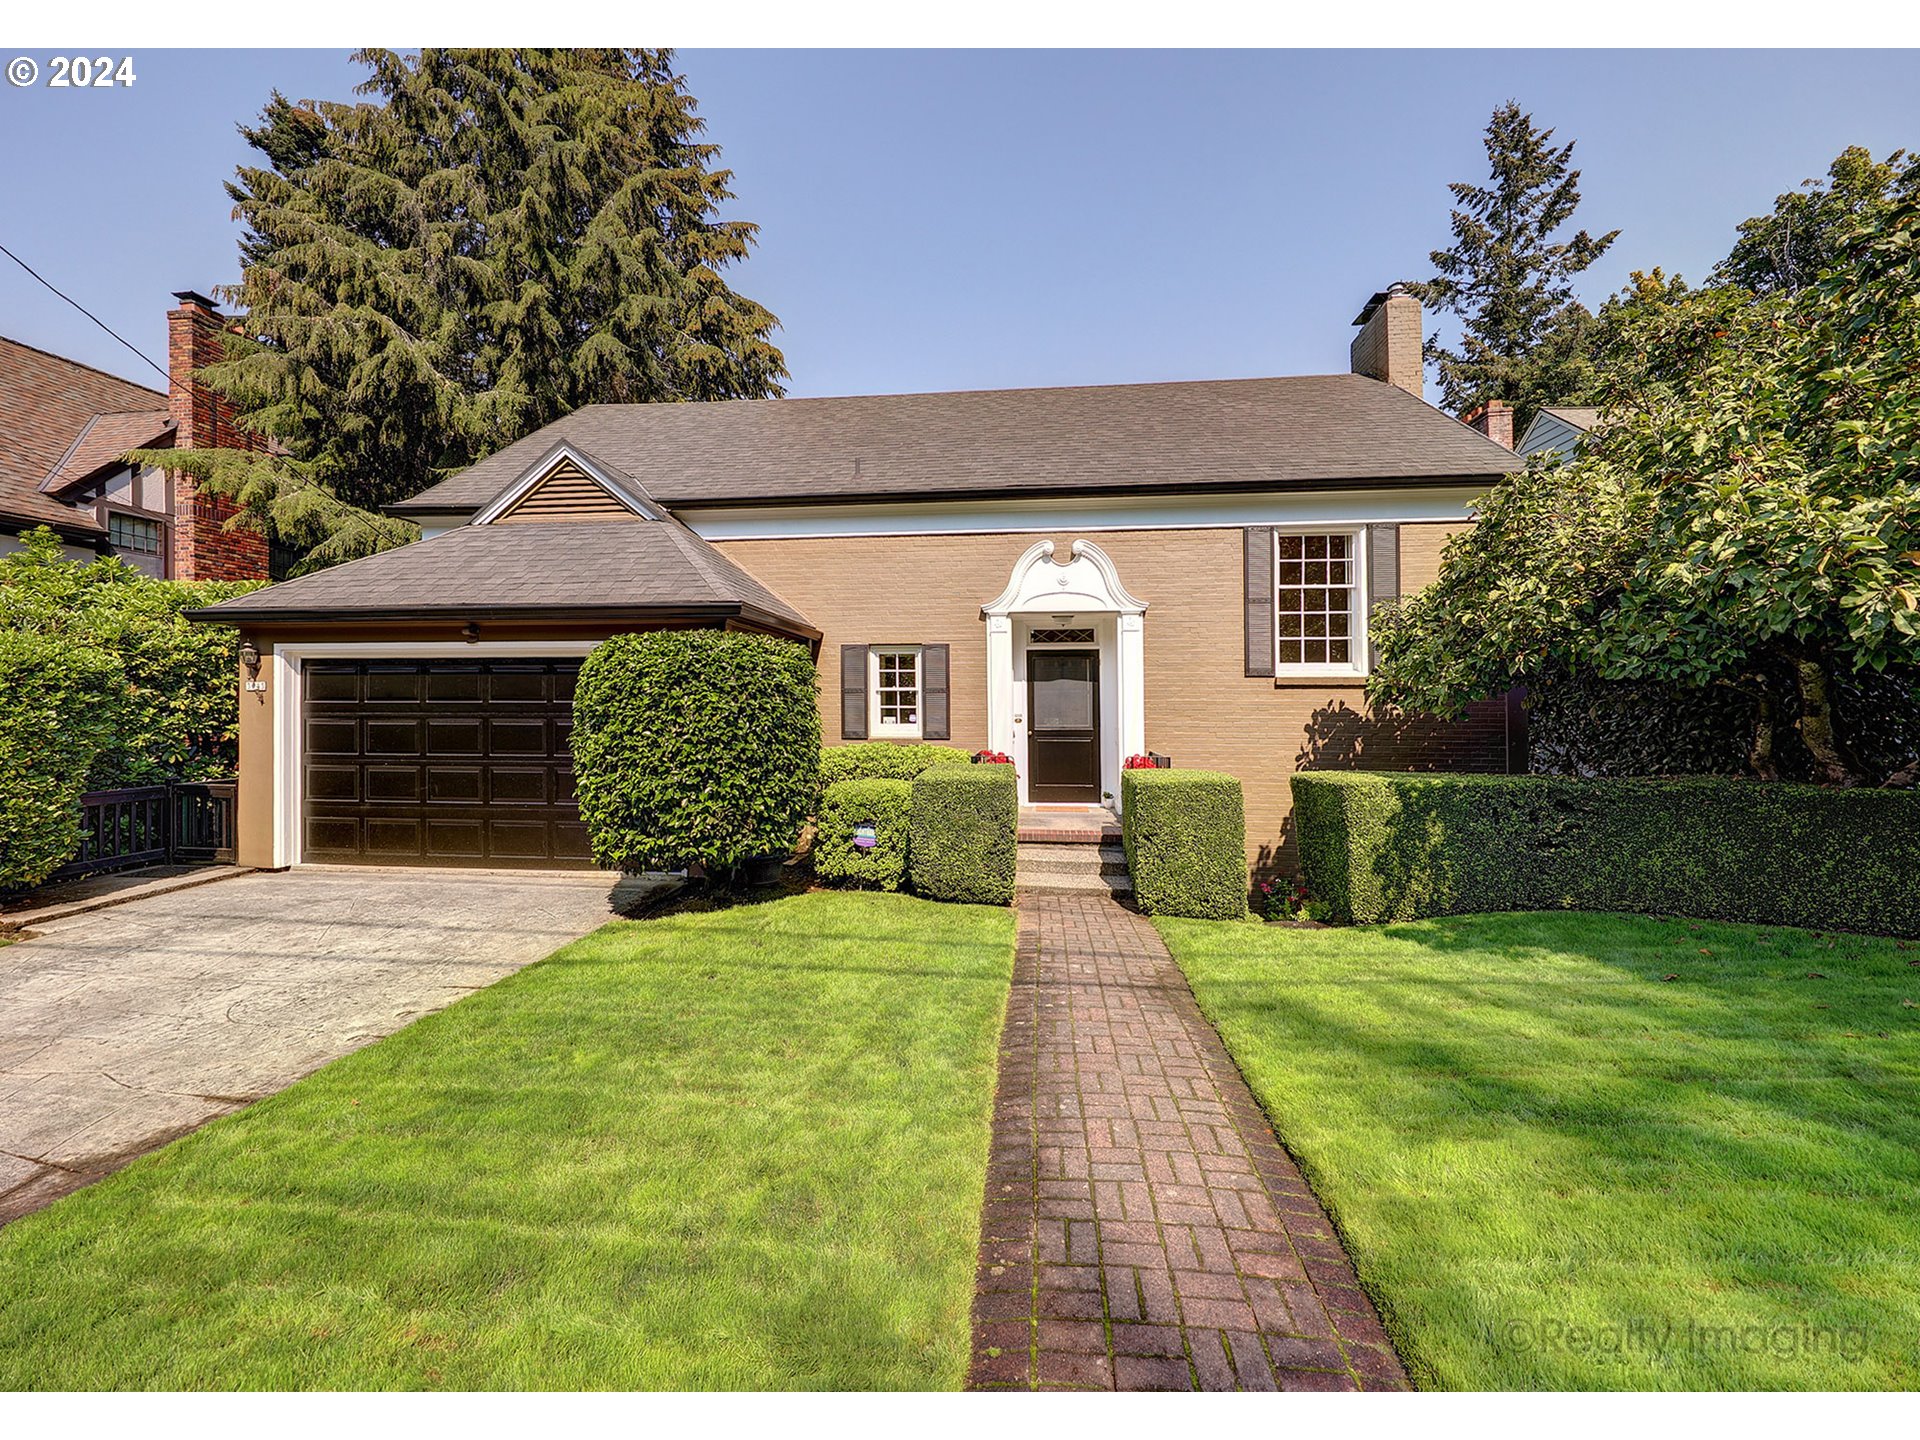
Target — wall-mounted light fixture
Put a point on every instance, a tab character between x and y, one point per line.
250	657
470	632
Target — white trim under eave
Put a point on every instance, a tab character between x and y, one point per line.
1002	515
285	697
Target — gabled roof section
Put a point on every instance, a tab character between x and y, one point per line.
106	438
588	570
569	483
46	401
1293	433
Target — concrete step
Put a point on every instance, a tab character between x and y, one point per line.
1106	859
1053	882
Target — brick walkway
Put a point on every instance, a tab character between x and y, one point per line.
1142	1229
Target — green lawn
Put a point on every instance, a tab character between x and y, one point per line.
739	1149
1524	1128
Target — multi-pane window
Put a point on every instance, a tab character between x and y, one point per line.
896	692
1314	584
133	533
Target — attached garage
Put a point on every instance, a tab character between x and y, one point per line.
440	762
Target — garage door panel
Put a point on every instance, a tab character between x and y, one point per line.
456	737
393	784
333	737
491	778
455	784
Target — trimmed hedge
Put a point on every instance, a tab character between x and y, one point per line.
883	760
1380	847
962	833
60	705
695	747
847	803
1185	833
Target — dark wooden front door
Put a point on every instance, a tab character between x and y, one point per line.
440	763
1063	725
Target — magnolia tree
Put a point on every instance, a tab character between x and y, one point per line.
1750	507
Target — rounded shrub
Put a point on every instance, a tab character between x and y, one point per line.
883	760
695	747
1185	833
60	705
848	805
962	833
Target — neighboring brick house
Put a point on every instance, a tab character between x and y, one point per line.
65	430
1072	576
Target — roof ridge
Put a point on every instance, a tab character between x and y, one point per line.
968	390
82	365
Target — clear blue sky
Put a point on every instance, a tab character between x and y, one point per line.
977	218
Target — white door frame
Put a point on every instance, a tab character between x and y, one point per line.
1087	587
287	694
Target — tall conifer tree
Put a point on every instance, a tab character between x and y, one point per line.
1524	338
490	239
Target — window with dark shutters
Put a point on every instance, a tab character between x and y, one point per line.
1259	597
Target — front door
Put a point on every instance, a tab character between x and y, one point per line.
1063	729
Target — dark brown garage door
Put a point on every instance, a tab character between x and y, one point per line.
441	763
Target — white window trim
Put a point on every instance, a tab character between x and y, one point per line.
877	729
1357	666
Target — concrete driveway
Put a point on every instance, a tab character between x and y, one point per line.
123	1028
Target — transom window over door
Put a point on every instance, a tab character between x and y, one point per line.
1316	587
896	692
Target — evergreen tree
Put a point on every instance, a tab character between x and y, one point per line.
1524	338
493	238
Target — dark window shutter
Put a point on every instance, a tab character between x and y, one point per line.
1383	574
935	706
853	692
1259	593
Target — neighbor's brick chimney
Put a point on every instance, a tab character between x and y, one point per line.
203	548
1493	420
1388	345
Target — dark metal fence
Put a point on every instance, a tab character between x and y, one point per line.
188	820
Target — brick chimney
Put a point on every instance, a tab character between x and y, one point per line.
203	548
1493	420
1388	345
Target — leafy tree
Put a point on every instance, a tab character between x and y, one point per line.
1524	338
494	238
172	712
1751	505
1787	248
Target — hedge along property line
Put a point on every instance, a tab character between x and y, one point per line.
1185	833
883	760
962	833
1381	847
847	804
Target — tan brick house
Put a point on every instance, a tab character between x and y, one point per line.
1072	576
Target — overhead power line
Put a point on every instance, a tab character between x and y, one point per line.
83	310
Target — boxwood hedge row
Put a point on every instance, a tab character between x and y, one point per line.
1185	833
883	760
1379	847
848	804
962	833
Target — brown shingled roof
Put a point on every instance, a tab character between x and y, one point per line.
1296	432
104	440
45	403
575	568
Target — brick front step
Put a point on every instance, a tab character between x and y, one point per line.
1086	859
1057	882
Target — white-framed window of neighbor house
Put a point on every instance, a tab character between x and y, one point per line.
894	692
1320	601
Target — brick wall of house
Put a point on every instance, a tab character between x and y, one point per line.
204	546
1201	707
